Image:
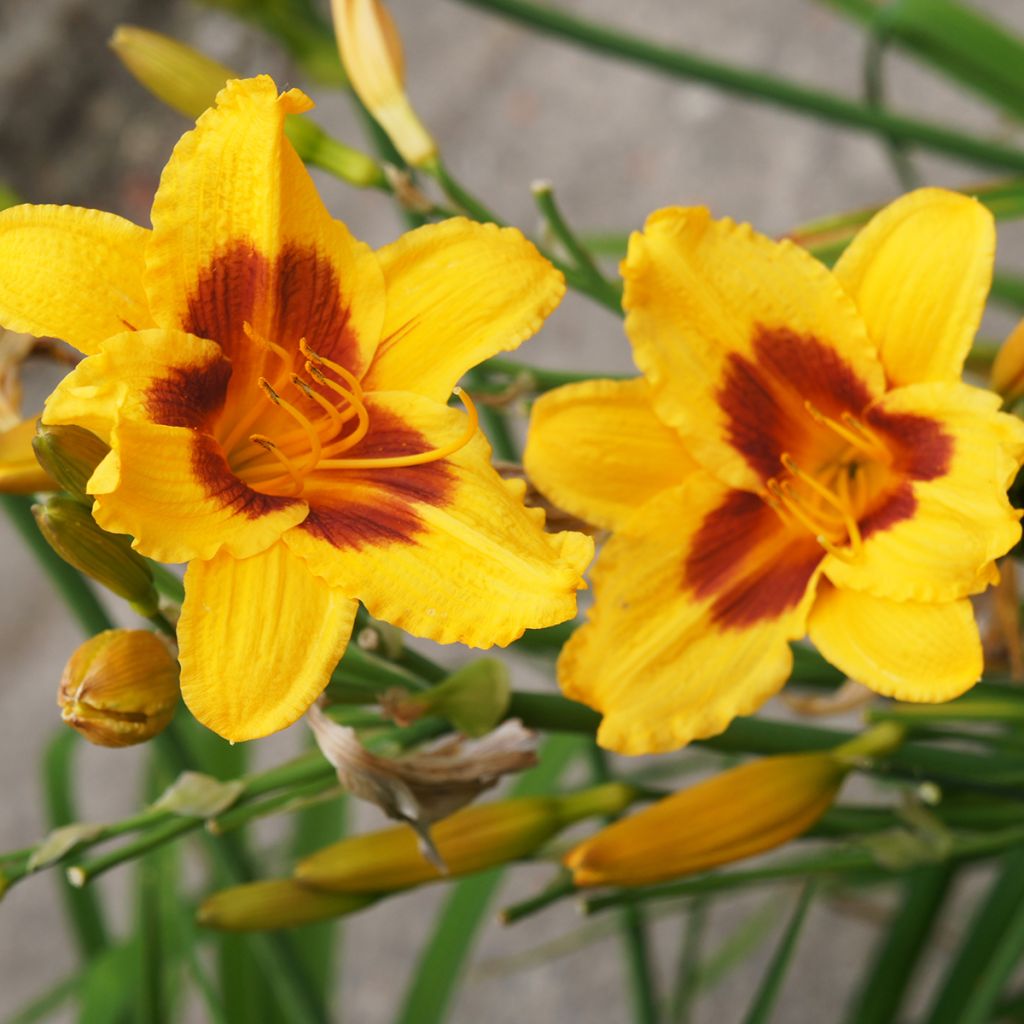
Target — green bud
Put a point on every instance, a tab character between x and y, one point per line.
69	454
106	557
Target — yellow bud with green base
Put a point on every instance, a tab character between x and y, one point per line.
69	454
119	688
470	840
274	903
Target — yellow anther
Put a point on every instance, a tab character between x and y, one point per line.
314	357
332	412
307	428
286	463
857	437
265	343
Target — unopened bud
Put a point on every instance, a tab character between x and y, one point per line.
183	78
69	454
20	473
371	51
119	688
733	815
1008	369
472	839
318	148
276	903
106	557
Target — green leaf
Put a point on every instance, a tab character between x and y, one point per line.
764	1003
901	946
195	795
61	841
968	979
442	961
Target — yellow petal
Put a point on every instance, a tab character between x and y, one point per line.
240	236
952	523
259	639
696	599
598	450
172	490
920	272
20	473
903	649
71	274
444	550
734	332
457	293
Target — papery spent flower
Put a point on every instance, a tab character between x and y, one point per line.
800	457
473	839
736	814
119	688
274	396
371	51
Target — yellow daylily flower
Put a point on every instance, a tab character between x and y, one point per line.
274	395
799	458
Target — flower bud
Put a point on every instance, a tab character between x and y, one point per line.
741	812
736	814
108	558
472	839
371	51
275	903
119	688
185	79
1008	369
20	473
69	454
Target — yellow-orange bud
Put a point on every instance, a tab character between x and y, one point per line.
739	813
1008	369
119	688
20	473
276	903
183	78
472	839
736	814
108	558
371	51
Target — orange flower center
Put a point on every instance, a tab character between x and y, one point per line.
829	496
336	419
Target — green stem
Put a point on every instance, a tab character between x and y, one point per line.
874	94
754	85
558	890
77	592
632	923
544	196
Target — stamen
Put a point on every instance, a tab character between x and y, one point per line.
315	444
289	467
420	458
331	410
354	401
819	488
258	339
349	377
869	435
853	437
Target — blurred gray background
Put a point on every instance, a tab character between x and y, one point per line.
507	107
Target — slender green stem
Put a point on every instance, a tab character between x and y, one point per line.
239	817
632	923
874	94
540	379
558	890
83	908
689	961
754	85
544	196
495	425
461	196
81	874
77	592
